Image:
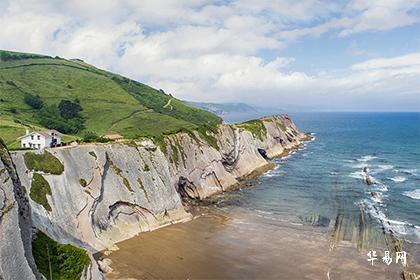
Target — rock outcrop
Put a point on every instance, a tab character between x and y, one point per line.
16	261
111	192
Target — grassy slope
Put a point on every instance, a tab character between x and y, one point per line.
111	103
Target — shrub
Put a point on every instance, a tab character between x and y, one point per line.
45	162
34	101
83	182
92	153
66	261
90	136
93	137
69	109
39	191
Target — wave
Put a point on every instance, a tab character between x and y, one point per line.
400	228
383	167
264	212
398	179
358	165
366	158
413	194
358	175
409	171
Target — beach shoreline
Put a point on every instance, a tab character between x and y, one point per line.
228	243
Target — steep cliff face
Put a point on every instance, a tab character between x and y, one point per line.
106	193
110	192
200	170
16	261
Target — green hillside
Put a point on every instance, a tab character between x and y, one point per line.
73	97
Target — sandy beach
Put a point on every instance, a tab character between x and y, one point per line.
229	244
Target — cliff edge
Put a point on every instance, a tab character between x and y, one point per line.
16	261
96	195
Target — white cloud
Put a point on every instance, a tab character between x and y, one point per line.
409	60
212	51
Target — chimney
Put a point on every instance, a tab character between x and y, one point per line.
27	132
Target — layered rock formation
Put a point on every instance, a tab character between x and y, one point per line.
16	261
111	192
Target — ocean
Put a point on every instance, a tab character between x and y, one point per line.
311	217
324	180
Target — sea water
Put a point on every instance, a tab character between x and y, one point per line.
325	178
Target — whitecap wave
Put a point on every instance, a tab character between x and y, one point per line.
359	165
398	179
366	158
383	167
413	194
409	171
397	227
358	175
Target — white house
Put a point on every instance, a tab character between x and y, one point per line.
40	139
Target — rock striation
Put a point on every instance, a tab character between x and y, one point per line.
16	261
111	192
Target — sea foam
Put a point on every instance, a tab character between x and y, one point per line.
398	179
366	158
413	194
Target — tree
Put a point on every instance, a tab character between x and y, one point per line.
34	101
69	109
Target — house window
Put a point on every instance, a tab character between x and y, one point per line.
24	145
32	137
39	146
39	137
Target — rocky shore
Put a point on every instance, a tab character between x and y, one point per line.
106	193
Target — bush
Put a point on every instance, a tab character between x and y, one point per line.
45	162
66	261
39	191
82	182
50	117
69	109
34	101
90	136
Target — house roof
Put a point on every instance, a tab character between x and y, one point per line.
45	133
113	136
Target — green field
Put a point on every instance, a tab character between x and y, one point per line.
110	103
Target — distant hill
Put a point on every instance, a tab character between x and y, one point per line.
221	109
236	112
38	92
239	112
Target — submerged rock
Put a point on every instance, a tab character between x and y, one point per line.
370	181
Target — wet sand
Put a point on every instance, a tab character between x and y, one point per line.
230	244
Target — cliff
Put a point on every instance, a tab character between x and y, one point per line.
15	224
101	194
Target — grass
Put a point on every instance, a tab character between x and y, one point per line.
39	191
45	162
256	127
8	55
111	103
66	261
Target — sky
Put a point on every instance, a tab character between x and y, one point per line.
319	55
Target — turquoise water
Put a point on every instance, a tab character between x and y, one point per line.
325	177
